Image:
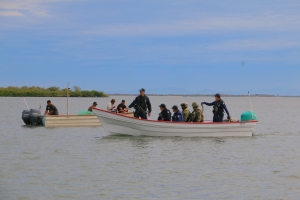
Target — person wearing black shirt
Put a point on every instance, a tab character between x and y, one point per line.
219	107
50	109
141	104
165	114
122	107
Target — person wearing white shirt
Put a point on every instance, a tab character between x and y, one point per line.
111	107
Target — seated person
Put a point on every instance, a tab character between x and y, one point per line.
185	111
196	115
50	109
111	107
92	106
122	108
165	114
177	115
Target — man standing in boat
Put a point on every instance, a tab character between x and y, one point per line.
219	107
141	104
50	109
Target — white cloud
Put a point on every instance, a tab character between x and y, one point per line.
270	44
32	7
203	24
11	14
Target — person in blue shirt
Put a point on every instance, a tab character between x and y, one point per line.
177	116
219	108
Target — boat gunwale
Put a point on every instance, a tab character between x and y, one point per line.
172	122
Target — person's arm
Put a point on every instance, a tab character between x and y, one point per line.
133	103
197	116
167	116
226	110
181	117
46	112
208	104
149	107
159	117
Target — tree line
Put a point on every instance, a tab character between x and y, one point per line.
53	91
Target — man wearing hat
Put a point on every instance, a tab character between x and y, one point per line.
141	104
177	115
111	107
92	106
218	110
165	114
185	111
196	115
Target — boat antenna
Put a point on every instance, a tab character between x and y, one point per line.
26	103
68	98
250	104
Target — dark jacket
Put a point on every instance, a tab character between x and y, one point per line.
144	102
177	117
165	115
219	107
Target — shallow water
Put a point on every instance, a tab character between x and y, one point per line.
85	163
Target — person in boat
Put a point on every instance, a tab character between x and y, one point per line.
177	114
111	107
196	115
218	109
185	111
141	104
165	114
51	109
121	108
92	106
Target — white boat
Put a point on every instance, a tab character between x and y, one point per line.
118	124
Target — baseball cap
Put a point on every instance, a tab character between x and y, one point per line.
142	90
175	107
218	95
162	105
95	103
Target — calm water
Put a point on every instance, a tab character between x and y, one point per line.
84	163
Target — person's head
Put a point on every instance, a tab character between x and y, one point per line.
184	106
162	106
195	105
49	103
123	102
113	101
142	91
95	104
175	108
217	97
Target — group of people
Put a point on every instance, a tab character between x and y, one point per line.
143	109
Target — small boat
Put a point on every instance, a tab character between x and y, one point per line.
118	124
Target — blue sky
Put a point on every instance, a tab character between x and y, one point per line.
166	46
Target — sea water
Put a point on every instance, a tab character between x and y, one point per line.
85	163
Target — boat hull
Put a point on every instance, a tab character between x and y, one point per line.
115	124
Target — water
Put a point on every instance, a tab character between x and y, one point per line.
85	163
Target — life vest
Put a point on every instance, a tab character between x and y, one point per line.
142	101
218	108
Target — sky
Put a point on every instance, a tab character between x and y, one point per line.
166	47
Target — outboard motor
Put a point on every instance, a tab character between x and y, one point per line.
25	117
32	117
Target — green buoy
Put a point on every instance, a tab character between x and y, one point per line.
248	115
